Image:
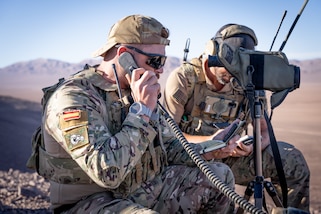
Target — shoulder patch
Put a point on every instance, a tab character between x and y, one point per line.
73	124
71	115
76	138
73	118
180	97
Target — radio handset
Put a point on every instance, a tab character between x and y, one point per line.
127	61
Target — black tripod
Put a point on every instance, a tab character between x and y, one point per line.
257	186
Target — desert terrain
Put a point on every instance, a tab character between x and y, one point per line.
296	120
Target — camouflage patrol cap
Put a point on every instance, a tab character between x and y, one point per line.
234	35
135	29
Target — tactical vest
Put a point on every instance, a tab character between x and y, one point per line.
207	111
54	169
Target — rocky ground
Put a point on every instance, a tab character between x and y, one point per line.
23	193
28	193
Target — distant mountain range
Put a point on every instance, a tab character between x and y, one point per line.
52	66
308	66
45	66
26	79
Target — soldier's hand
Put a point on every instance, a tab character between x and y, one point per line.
223	152
226	151
242	150
145	87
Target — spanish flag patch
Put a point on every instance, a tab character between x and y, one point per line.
71	115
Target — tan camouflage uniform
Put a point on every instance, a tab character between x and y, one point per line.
185	106
97	163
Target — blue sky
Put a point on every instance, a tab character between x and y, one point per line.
70	30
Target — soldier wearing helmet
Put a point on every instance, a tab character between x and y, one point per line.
204	99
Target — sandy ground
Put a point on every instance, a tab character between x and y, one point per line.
297	121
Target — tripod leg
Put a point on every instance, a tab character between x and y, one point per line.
247	195
272	193
258	191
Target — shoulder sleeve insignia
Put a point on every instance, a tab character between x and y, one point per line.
73	118
71	115
76	138
74	125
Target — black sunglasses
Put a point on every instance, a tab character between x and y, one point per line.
155	60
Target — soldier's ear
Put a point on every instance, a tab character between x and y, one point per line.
121	49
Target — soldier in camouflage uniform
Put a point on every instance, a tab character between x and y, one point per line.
202	99
107	149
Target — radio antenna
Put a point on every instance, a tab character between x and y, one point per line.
277	32
186	50
293	25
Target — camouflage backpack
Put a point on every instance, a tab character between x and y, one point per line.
37	141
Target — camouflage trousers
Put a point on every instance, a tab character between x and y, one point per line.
295	168
180	189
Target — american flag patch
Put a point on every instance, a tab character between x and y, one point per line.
71	115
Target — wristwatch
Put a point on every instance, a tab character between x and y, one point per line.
140	109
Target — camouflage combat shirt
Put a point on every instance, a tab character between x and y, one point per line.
97	149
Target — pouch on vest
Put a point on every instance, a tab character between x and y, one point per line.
36	141
220	106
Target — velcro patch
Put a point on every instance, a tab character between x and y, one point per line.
76	138
71	115
73	118
179	97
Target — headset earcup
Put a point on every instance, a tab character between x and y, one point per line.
210	48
